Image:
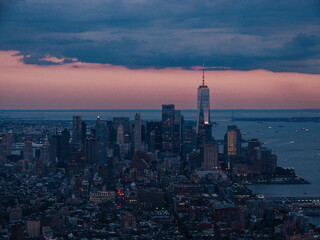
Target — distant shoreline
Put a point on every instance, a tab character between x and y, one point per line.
290	119
156	110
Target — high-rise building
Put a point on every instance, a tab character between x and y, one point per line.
28	150
127	128
101	136
177	131
55	148
120	135
76	162
77	130
268	161
83	133
194	160
232	146
203	104
188	141
91	150
65	138
45	151
137	132
167	127
154	135
210	156
7	143
233	141
5	146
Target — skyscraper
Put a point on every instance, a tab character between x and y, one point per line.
101	136
65	137
177	131
210	156
188	141
232	146
126	125
77	130
28	150
233	141
55	148
45	151
120	135
154	131
91	150
83	133
203	104
167	127
137	132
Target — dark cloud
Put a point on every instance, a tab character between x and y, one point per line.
35	60
241	35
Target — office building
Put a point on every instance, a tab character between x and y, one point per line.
91	150
167	127
177	131
28	150
232	146
154	136
45	151
233	141
126	125
101	136
65	138
210	156
120	135
137	132
77	128
188	141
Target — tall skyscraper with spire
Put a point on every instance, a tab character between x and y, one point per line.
203	104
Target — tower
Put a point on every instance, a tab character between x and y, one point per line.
203	104
120	135
210	156
91	150
101	136
137	132
232	146
167	126
77	130
28	150
45	151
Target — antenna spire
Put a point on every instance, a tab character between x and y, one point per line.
203	75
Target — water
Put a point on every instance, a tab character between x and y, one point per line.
294	146
216	115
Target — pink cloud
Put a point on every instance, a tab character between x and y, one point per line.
80	85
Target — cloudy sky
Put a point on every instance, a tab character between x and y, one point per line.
260	54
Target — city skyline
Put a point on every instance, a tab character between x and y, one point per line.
162	119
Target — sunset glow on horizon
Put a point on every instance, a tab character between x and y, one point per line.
80	85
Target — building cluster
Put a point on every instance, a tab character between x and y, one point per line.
122	179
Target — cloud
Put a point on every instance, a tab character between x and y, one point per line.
246	35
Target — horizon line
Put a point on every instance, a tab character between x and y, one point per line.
156	109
